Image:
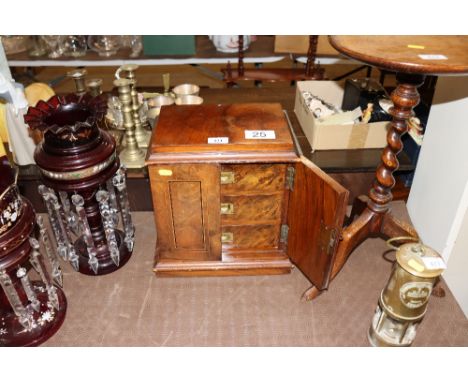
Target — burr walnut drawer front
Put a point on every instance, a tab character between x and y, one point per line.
260	236
252	209
252	178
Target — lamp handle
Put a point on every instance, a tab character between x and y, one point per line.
400	238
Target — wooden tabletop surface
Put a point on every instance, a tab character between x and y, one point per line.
436	55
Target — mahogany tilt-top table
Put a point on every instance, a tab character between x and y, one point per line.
412	58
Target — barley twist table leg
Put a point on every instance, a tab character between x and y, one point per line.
405	98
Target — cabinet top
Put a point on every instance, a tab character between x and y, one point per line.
441	55
244	132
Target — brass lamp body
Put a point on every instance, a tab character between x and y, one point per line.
403	302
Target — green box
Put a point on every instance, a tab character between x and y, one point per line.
169	45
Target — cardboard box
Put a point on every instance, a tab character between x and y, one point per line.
300	45
324	136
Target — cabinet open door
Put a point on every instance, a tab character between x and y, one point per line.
317	207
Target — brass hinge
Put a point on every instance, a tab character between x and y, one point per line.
327	239
284	233
290	174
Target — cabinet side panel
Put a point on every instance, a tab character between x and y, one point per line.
187	215
162	213
186	208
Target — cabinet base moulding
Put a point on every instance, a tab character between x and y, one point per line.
216	268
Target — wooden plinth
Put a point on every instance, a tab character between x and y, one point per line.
217	268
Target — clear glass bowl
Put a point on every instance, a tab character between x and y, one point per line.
74	46
54	45
105	45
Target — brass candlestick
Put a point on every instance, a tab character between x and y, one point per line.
141	134
131	156
78	76
94	86
167	84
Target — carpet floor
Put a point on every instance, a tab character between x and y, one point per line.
132	307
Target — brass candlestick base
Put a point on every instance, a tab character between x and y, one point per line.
132	158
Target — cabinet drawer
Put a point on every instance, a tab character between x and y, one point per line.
251	210
250	236
252	178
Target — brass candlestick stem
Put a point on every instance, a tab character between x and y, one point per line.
141	134
131	156
78	76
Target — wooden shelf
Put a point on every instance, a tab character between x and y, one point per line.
260	51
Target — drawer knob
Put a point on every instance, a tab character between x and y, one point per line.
227	177
227	208
227	237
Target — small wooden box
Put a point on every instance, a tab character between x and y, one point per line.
250	205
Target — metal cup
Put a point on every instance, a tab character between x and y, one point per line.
155	104
186	89
189	100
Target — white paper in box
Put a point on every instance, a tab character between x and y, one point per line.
335	137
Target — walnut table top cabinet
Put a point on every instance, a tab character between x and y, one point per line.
232	196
